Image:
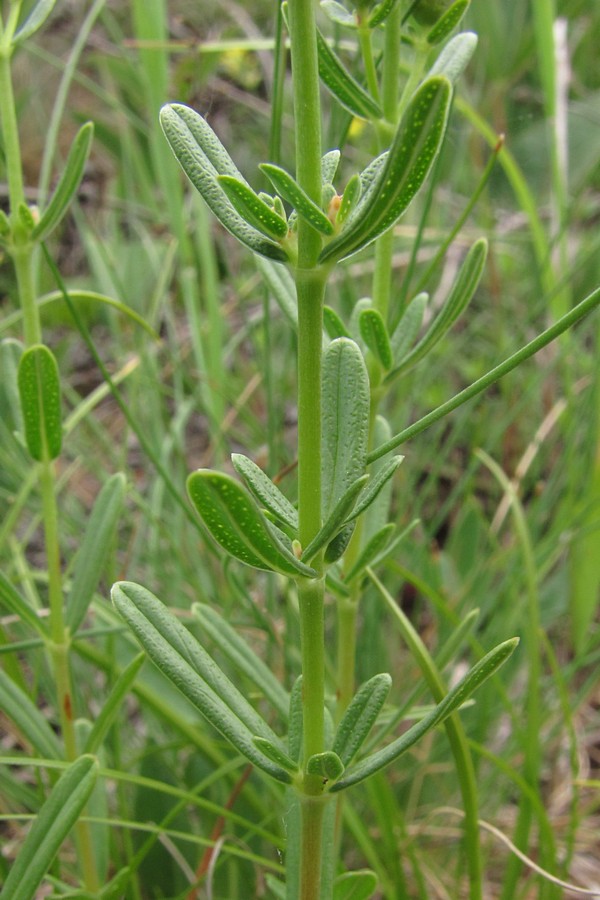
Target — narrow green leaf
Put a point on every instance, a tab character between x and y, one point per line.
241	655
456	639
381	12
203	158
281	286
34	20
26	217
427	12
375	335
350	198
336	518
23	712
276	755
54	822
265	491
94	549
360	716
333	324
295	720
480	672
68	184
371	551
113	704
338	14
329	165
252	209
345	420
455	56
337	547
291	191
237	524
39	389
409	326
448	22
179	656
413	151
343	86
11	599
327	764
461	293
374	487
360	884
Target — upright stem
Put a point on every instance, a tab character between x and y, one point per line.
310	288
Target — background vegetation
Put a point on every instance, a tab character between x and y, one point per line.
217	377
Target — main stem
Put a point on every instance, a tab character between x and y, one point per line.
310	288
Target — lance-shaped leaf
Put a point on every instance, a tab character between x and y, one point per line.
381	12
337	547
343	86
242	656
291	191
52	825
94	549
39	389
360	884
255	211
360	716
333	324
113	704
455	56
338	13
374	487
336	518
179	656
375	335
448	22
34	20
345	420
23	712
461	293
327	765
276	755
480	672
68	184
329	165
413	151
295	720
237	524
374	547
409	326
265	491
203	158
350	198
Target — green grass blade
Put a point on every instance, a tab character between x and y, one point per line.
94	549
11	599
34	20
55	820
546	337
113	704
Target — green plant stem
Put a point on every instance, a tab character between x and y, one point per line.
310	289
364	39
23	262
